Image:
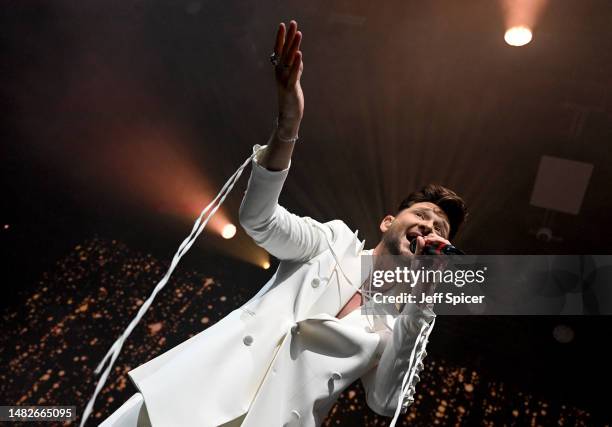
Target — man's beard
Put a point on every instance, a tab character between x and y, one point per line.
392	239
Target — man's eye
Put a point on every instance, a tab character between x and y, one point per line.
419	214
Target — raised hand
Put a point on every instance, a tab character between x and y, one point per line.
288	71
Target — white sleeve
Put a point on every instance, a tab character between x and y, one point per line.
283	234
392	382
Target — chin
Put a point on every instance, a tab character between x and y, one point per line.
399	247
404	250
406	253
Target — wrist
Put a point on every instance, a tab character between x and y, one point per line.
287	128
289	120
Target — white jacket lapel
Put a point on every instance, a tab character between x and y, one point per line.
345	278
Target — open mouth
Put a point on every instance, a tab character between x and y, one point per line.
412	236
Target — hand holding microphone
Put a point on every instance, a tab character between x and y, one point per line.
433	246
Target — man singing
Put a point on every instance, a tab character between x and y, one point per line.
284	357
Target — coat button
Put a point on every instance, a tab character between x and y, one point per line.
336	376
315	282
248	340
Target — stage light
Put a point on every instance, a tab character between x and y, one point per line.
265	265
521	18
563	334
6	226
518	36
229	231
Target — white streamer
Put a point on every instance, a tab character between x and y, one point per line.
198	227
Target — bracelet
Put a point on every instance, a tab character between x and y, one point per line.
286	140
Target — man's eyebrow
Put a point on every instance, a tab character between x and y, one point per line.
443	222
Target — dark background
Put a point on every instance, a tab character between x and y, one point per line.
398	94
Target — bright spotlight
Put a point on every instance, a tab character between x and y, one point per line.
518	36
265	265
229	231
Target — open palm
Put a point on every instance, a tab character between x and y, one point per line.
288	72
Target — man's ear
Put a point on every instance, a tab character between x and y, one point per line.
386	223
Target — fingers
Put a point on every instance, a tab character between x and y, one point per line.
437	262
287	49
296	69
280	40
292	51
289	42
423	241
438	239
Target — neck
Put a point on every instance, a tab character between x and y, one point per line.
380	249
380	260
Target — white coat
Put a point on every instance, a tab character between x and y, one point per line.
283	358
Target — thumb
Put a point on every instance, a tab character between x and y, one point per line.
420	245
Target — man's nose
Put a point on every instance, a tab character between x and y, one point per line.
426	228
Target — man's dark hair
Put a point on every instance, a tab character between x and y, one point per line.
447	200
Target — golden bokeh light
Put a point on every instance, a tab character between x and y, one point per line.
229	231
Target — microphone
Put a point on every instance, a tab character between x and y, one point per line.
436	248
